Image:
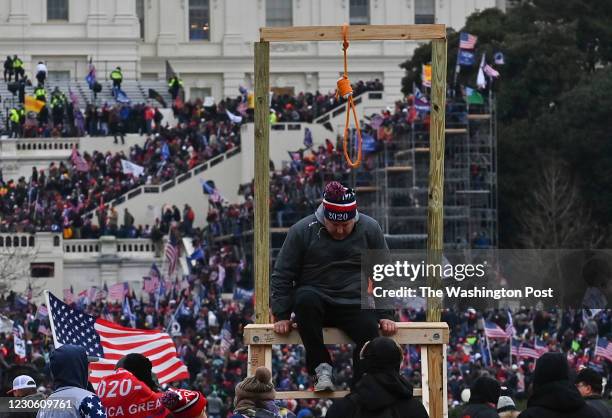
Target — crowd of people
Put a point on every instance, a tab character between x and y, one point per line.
210	341
216	360
58	198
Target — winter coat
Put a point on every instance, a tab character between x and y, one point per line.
603	407
374	397
312	259
479	410
69	368
559	399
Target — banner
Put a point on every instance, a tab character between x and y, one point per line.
129	167
426	76
466	58
33	105
18	341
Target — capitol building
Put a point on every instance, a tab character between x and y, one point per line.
210	42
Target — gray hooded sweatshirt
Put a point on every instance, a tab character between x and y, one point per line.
69	370
310	258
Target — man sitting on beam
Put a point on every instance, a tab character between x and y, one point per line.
317	276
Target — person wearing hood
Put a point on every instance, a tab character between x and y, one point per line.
484	394
554	396
317	276
381	389
69	371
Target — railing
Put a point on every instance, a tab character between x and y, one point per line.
118	245
41	144
340	108
81	246
148	189
286	126
17	240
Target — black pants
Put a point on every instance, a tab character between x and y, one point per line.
312	313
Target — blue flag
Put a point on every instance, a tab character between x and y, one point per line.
368	143
307	138
121	97
127	311
165	151
466	58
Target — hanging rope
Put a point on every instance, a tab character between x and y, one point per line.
346	91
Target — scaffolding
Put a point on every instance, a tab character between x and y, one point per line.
470	187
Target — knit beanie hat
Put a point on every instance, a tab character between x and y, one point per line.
256	388
505	403
184	403
339	202
485	390
551	367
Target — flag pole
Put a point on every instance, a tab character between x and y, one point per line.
56	343
484	327
457	70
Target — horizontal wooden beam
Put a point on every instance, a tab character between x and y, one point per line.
356	33
308	394
408	333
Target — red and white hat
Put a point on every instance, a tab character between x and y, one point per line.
339	202
184	403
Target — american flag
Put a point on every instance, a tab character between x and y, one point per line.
79	162
540	346
492	330
516	347
510	330
68	295
530	352
603	348
226	336
117	291
110	342
42	312
467	41
148	286
92	293
152	282
172	255
490	71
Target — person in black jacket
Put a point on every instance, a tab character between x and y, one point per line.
554	396
589	384
484	394
8	69
381	391
317	276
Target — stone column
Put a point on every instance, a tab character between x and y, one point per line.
233	41
166	39
17	12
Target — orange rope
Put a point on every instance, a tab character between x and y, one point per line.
346	91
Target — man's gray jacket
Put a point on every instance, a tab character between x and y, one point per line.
311	258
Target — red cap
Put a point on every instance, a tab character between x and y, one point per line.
184	403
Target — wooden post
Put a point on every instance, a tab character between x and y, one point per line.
262	355
435	220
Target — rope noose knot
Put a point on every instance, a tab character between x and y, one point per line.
345	90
